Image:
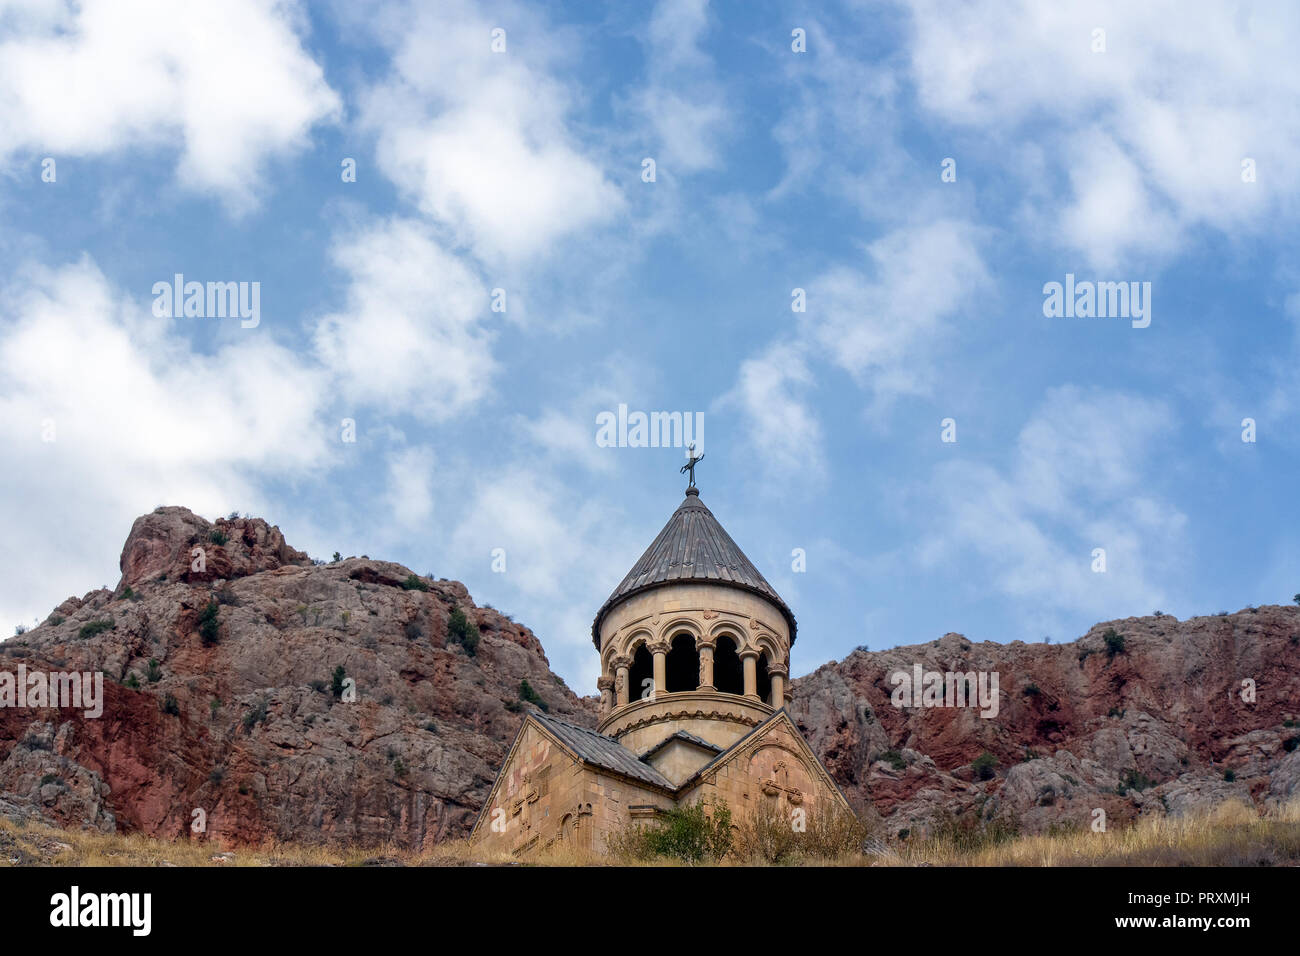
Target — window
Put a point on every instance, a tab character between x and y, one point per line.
763	686
641	678
683	664
728	674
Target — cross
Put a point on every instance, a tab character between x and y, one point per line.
691	462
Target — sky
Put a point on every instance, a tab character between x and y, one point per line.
828	229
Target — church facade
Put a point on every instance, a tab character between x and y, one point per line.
694	649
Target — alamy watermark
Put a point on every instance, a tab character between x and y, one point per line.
84	691
624	429
922	688
212	300
1102	300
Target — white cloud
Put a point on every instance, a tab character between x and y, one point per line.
882	326
228	82
780	426
480	141
410	487
412	335
1150	134
138	420
1079	479
682	101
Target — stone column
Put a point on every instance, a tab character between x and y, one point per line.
621	664
606	687
705	648
660	650
749	657
778	673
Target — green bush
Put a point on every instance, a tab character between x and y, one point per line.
1229	775
218	537
95	627
154	673
413	583
1132	779
336	682
132	681
461	630
256	714
1114	642
985	766
894	759
530	696
690	834
170	706
209	627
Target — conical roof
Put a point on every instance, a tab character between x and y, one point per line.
692	546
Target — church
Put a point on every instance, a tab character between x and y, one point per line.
694	649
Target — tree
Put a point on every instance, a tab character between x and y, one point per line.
336	685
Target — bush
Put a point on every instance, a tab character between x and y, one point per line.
213	706
336	559
690	834
154	673
50	778
970	835
413	583
209	627
336	682
1114	642
1290	744
132	681
95	627
413	631
170	706
1132	779
1031	690
256	714
218	537
461	630
770	836
1229	775
530	696
20	630
894	759
985	766
128	594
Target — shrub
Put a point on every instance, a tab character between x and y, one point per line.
209	627
1229	775
256	714
985	766
399	768
970	835
128	594
20	630
154	673
132	681
336	682
218	774
1290	744
95	627
1031	690
461	630
413	583
213	706
218	537
50	778
894	759
1132	779
1114	642
690	834
170	706
337	558
530	696
55	620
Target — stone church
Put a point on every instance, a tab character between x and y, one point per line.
694	651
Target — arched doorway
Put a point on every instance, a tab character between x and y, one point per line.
642	670
683	664
728	672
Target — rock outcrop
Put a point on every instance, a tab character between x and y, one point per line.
221	644
1165	716
245	726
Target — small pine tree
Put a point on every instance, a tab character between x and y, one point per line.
209	626
336	684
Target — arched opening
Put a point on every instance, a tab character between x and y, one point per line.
683	670
763	686
728	673
641	676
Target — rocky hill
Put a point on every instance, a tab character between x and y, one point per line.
244	723
221	643
1139	716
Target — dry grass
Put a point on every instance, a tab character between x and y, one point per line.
1231	835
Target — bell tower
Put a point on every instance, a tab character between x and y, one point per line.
694	642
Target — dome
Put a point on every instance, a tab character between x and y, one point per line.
692	547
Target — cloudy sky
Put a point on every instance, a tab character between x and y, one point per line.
920	170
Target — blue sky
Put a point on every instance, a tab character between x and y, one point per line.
208	140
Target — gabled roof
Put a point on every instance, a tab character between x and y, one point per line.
692	546
601	751
684	736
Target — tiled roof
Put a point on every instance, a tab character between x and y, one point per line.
692	546
602	751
